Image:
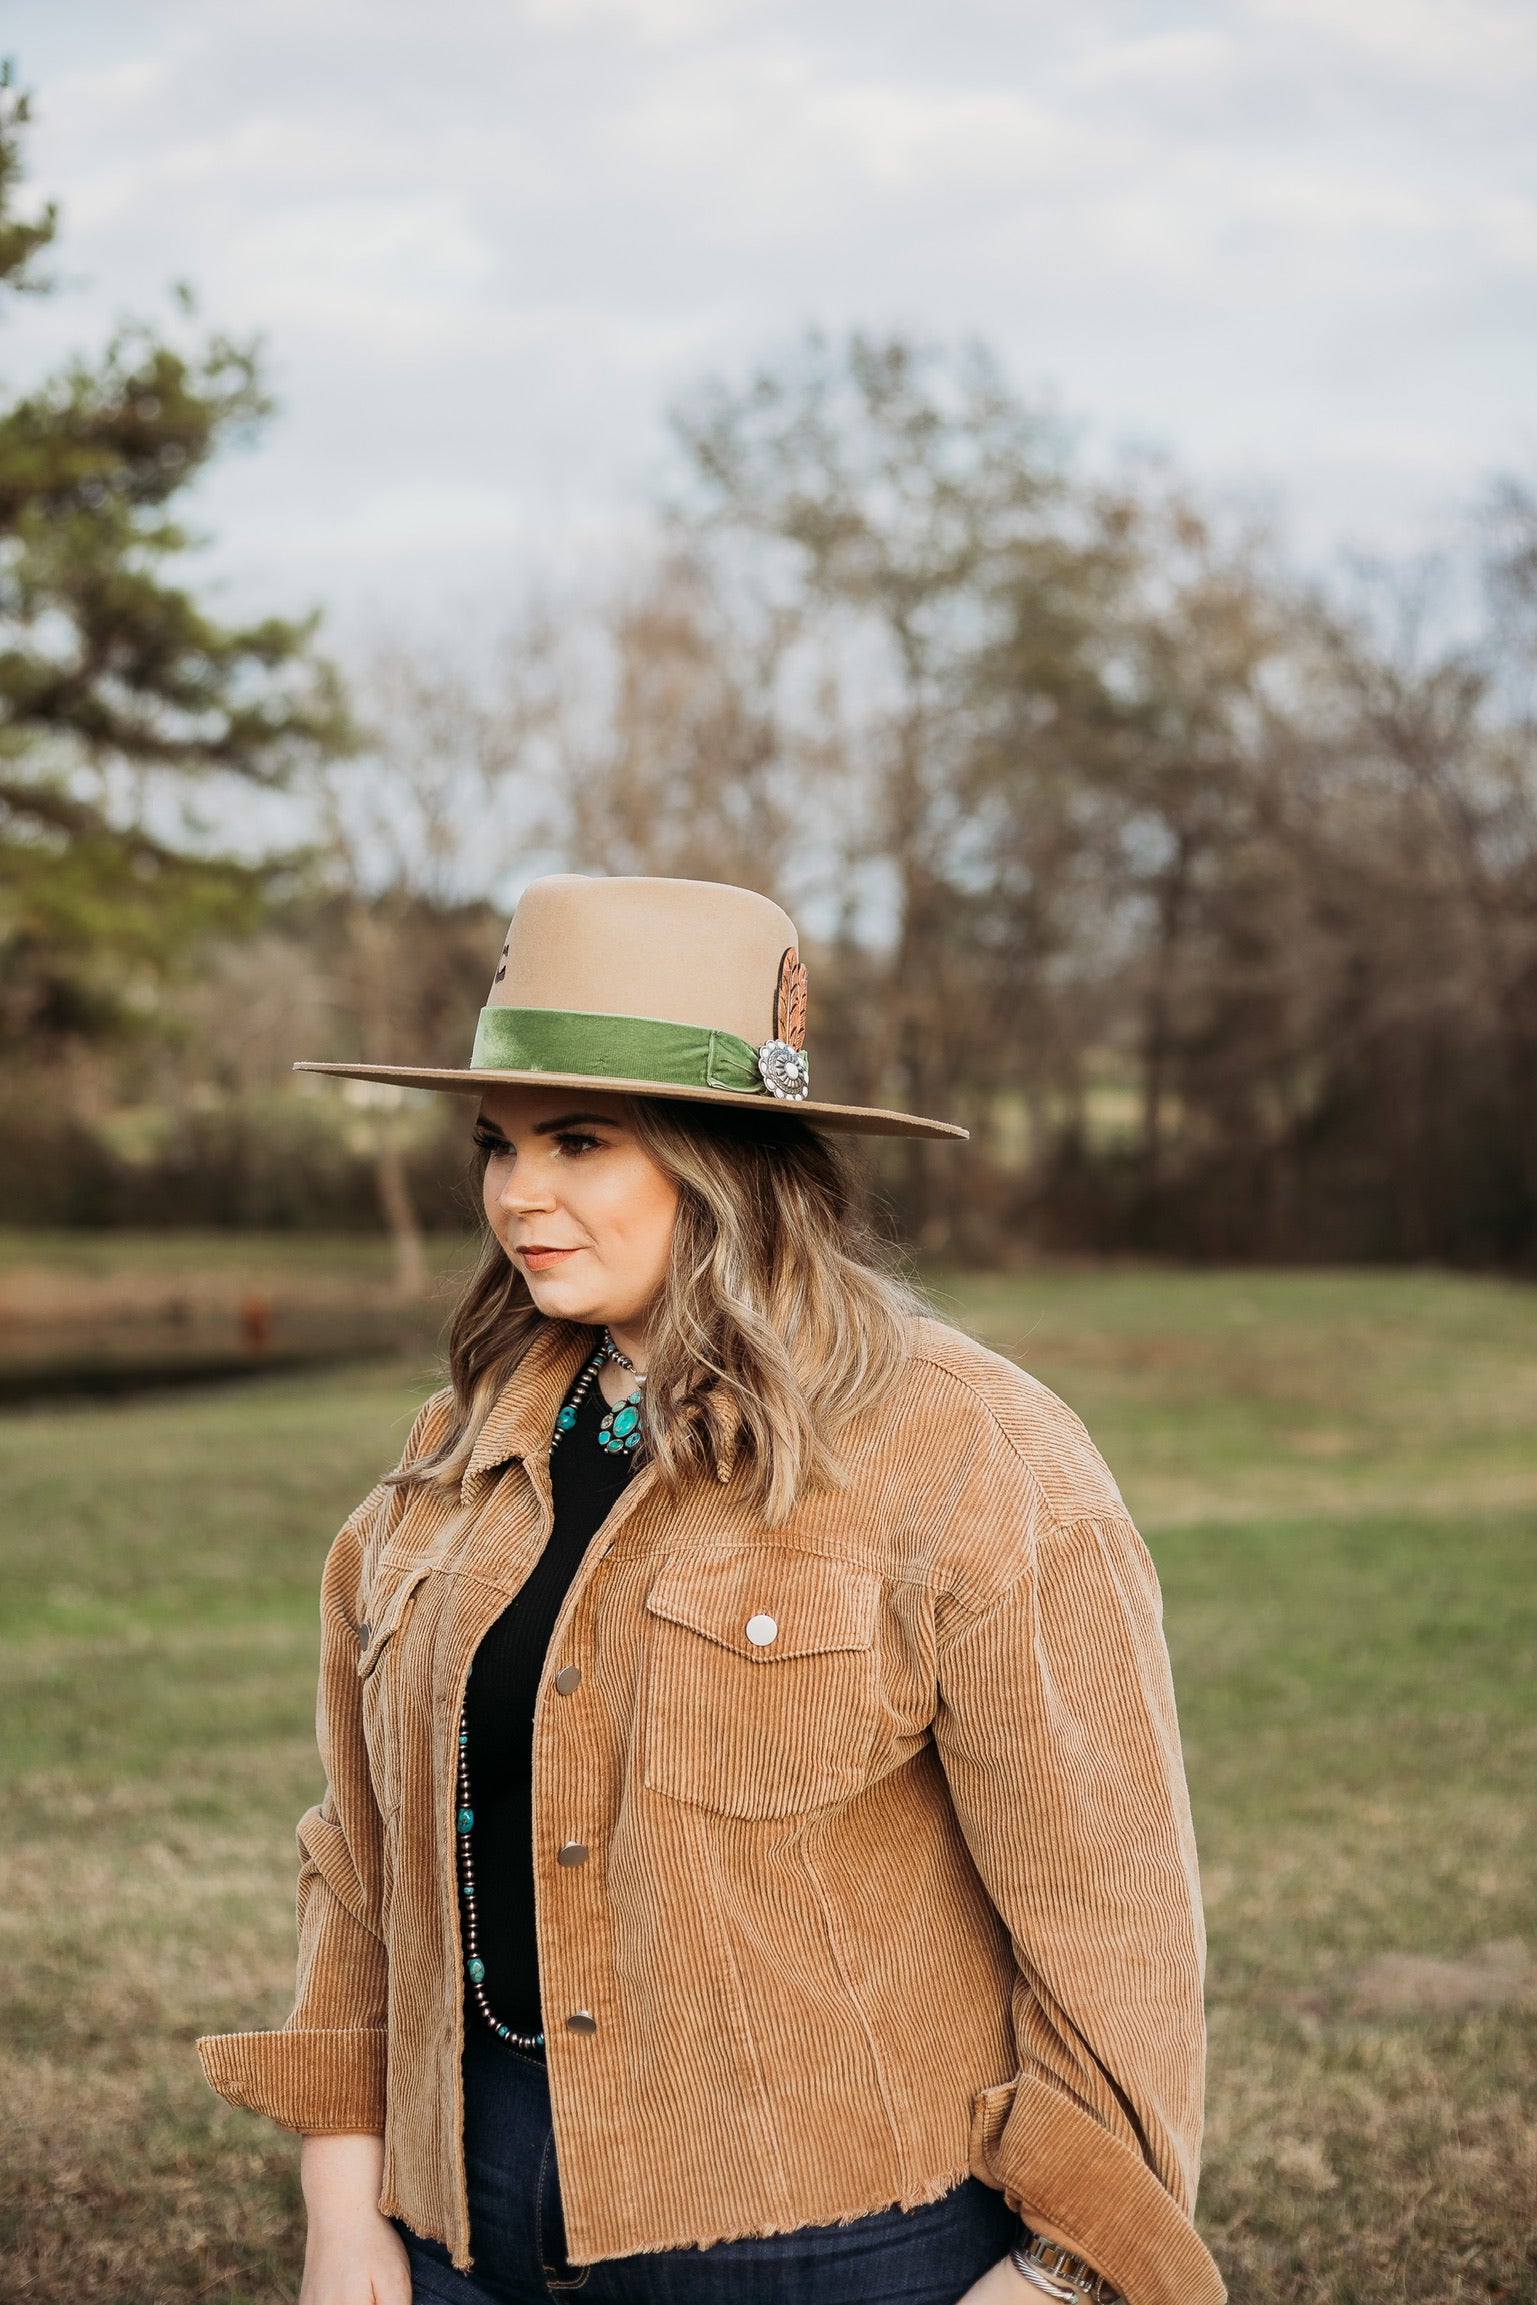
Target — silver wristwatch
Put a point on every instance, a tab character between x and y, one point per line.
1057	2273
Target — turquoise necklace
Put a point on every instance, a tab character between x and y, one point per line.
619	1434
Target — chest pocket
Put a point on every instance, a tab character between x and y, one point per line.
761	1695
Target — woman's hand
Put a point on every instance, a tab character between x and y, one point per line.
353	2255
1001	2284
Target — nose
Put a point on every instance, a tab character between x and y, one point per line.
523	1193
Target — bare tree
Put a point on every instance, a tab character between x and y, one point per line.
421	833
671	750
894	484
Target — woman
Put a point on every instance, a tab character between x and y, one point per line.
797	1900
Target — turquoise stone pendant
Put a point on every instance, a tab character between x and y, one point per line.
620	1430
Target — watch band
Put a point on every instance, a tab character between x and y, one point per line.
1060	2274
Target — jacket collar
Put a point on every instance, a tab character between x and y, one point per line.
523	1418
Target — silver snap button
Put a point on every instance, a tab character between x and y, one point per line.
761	1630
581	2021
568	1678
573	1853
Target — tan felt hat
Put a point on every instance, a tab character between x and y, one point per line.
676	988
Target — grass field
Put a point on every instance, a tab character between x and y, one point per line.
1338	1477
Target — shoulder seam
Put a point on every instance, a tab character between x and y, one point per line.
993	1418
1027	1569
1057	1520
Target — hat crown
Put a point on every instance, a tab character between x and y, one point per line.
693	952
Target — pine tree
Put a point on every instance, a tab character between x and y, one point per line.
123	702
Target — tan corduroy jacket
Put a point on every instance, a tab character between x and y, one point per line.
905	1892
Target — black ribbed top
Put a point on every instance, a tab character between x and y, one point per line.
499	1709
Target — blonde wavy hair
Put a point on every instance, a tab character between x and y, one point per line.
778	1320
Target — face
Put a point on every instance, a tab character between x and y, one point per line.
579	1205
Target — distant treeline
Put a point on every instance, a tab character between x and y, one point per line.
1206	897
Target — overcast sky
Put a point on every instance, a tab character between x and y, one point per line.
1294	242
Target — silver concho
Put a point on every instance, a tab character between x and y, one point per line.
784	1071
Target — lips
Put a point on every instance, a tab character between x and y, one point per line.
539	1259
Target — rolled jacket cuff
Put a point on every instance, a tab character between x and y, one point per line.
320	2083
1054	2162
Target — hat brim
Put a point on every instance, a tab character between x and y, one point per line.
850	1119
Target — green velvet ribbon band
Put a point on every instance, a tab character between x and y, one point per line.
614	1048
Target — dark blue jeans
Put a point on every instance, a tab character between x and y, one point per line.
927	2256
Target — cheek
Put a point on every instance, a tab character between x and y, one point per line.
640	1221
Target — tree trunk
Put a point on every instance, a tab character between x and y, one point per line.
400	1215
1158	1017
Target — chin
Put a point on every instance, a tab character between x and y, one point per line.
561	1299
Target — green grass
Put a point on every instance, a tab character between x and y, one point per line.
162	1256
1338	1476
156	1710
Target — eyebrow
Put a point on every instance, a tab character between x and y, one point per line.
551	1127
571	1119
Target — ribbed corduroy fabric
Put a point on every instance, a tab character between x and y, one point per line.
906	1891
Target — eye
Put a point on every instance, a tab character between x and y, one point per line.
487	1141
577	1140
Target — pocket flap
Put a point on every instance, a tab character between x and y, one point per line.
389	1604
767	1606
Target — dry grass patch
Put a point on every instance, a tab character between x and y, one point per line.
1353	2162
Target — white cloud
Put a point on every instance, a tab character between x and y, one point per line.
1292	239
1433	44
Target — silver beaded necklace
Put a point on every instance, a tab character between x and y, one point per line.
619	1434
